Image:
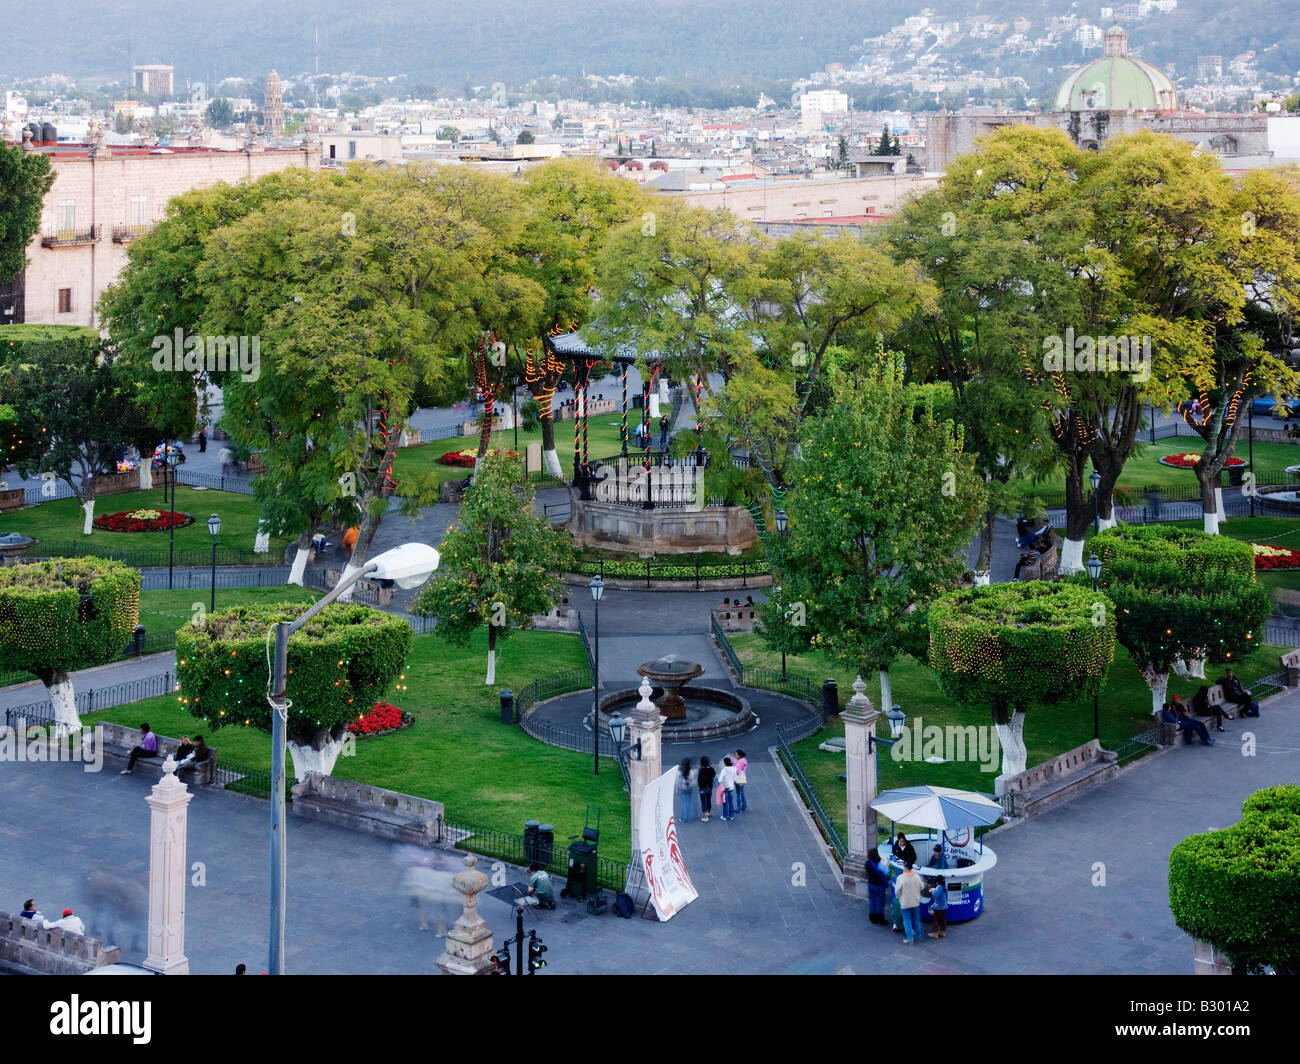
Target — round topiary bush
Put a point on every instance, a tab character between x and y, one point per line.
1238	889
344	660
62	615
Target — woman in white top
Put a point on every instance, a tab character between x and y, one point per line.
728	779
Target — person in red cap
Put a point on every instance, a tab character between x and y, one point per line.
68	923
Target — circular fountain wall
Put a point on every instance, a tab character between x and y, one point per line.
710	713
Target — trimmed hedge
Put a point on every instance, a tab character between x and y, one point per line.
1169	554
1032	642
66	614
340	665
1239	888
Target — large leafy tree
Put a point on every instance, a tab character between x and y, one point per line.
880	511
1009	646
25	177
1180	596
63	615
500	562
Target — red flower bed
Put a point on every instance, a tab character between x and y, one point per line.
1188	461
126	521
1271	557
466	457
384	717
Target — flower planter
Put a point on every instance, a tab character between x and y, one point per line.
125	521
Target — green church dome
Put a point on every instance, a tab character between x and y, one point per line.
1116	82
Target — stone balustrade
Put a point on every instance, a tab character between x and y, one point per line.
364	807
27	944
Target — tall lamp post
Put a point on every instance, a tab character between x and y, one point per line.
1095	480
597	593
170	457
1250	443
409	566
214	528
782	523
1094	571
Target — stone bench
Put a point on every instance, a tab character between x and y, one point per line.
1048	562
27	944
1059	779
736	618
118	742
1290	663
362	807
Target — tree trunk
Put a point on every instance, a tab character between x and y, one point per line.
299	565
886	692
145	469
1211	502
316	752
984	563
1078	515
63	701
1192	667
1009	723
1158	682
485	429
88	509
550	458
262	540
492	656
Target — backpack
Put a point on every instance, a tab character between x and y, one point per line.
623	905
1251	710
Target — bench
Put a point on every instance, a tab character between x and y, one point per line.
736	618
361	807
1048	562
1059	779
118	741
29	946
1290	663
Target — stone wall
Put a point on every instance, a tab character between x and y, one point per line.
362	807
27	944
662	530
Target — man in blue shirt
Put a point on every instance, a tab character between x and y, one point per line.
939	909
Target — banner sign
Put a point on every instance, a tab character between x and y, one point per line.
670	886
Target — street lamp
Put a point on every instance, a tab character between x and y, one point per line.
1095	479
782	521
896	717
597	593
170	458
214	527
618	732
409	566
1094	571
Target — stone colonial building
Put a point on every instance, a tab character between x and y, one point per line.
1110	96
100	201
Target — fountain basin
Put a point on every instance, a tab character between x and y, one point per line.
671	674
12	545
709	713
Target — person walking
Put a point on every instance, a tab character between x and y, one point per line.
877	887
148	748
704	780
908	889
663	432
727	781
685	792
742	777
939	908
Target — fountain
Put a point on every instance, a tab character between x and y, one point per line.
12	545
695	715
672	675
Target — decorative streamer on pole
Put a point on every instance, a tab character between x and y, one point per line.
648	504
624	410
588	365
699	418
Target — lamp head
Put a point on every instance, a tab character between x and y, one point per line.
214	525
896	716
1094	478
1094	567
782	521
617	728
597	588
409	565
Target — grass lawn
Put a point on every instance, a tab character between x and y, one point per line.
458	751
1125	706
61	520
166	611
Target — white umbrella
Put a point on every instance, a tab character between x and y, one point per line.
937	807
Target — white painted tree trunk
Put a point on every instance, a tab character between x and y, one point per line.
1218	500
1192	667
262	540
1159	684
1210	524
1011	739
1108	522
306	758
981	577
492	669
87	526
146	474
299	566
64	702
1071	557
348	570
551	460
886	692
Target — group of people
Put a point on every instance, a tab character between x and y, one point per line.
187	753
907	890
735	604
724	787
1175	712
1034	538
69	921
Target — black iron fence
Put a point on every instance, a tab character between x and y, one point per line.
825	824
155	557
586	646
92	699
515	849
1140	745
1157	498
718	634
545	687
238	483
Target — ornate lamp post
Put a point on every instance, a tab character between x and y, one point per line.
1094	571
1095	479
214	528
171	457
597	593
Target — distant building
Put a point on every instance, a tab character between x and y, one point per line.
154	79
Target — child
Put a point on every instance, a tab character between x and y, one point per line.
939	909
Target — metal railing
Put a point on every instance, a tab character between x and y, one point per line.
242	485
1140	745
539	690
196	558
1187	492
93	699
683	572
586	646
512	848
830	831
557	512
62	238
727	649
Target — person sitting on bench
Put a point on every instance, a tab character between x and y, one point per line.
540	890
1201	707
1189	725
199	754
1233	691
148	748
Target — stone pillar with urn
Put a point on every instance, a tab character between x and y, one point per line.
469	942
859	717
646	725
168	873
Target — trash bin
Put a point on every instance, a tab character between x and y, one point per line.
136	646
530	840
582	870
507	706
830	697
545	844
1235	474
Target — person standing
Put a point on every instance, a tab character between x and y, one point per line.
939	909
704	780
663	432
908	889
685	792
148	748
877	886
742	777
904	850
727	781
227	457
203	439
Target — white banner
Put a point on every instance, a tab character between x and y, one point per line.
670	886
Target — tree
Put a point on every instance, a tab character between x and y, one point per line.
880	511
1180	596
339	665
1009	646
72	396
25	177
220	113
1236	888
500	563
63	615
525	137
888	146
842	154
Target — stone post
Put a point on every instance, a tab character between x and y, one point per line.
643	723
1207	960
168	871
469	942
859	717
